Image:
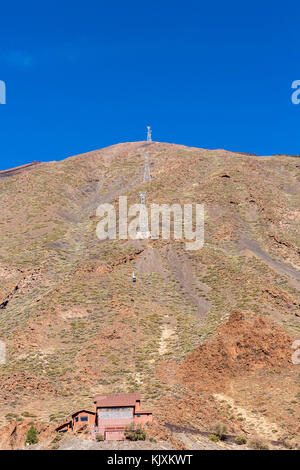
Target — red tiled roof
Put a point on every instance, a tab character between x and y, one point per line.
117	399
114	428
69	423
83	411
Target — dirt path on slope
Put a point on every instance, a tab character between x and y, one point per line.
252	423
182	271
169	265
245	243
163	343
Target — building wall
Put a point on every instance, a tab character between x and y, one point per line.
65	428
143	418
88	419
114	436
114	417
111	417
123	412
106	423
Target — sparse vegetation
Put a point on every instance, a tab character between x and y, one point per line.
258	443
220	430
28	414
240	440
57	438
13	417
55	441
135	433
31	437
76	313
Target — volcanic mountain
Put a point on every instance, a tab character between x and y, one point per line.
204	335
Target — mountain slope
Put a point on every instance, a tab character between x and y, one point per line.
74	322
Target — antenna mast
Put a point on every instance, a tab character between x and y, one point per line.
149	135
147	175
143	197
144	231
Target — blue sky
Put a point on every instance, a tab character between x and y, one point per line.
85	75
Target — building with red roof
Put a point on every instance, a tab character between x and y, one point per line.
113	412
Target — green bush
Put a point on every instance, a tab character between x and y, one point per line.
214	438
220	430
135	433
13	417
99	437
57	438
27	414
240	440
258	443
54	446
31	437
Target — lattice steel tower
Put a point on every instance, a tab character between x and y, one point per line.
143	197
149	135
144	230
147	175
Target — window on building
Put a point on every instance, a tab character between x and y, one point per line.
83	418
138	415
76	420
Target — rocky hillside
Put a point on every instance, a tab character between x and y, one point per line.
75	324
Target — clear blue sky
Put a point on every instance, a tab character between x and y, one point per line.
85	75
